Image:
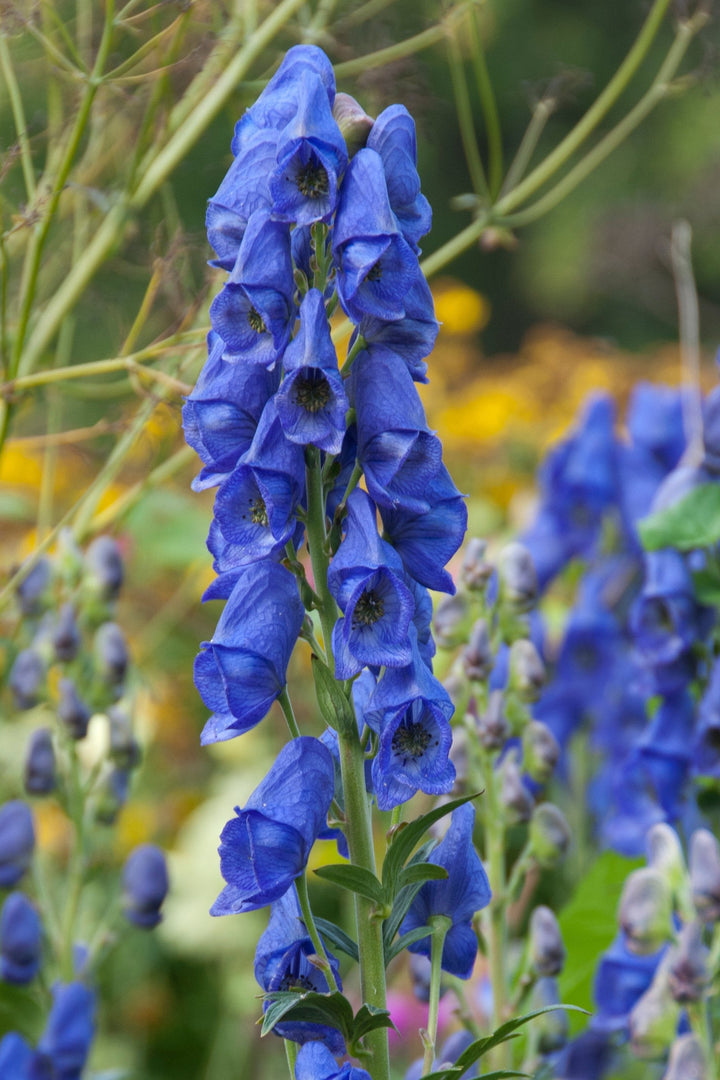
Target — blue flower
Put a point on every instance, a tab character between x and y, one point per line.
311	156
40	774
282	962
665	748
145	885
242	670
16	1057
398	453
267	845
312	402
706	742
315	1062
393	137
17	841
410	710
622	977
26	678
277	104
222	413
666	620
459	896
376	265
243	191
65	1043
20	940
254	312
412	337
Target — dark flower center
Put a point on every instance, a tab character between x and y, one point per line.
257	511
311	391
299	982
368	610
374	273
411	740
312	180
256	321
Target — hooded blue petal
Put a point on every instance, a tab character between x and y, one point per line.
411	337
393	137
69	1030
315	1062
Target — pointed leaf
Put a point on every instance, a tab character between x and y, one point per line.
410	938
333	1010
405	839
336	936
421	872
443	1074
355	879
693	522
333	703
506	1032
368	1018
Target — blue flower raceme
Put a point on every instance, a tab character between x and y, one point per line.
459	896
267	845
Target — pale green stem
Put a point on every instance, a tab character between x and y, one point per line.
496	923
18	111
489	108
291	1053
286	706
689	321
440	925
465	117
317	538
402	49
365	11
320	951
540	116
76	872
130	498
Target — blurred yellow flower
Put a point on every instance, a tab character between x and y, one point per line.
460	309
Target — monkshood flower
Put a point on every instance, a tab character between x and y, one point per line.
65	1043
664	749
145	886
254	312
621	979
410	710
376	265
312	402
366	577
72	711
241	671
221	415
399	454
26	678
706	742
393	137
459	896
39	771
315	1062
267	845
705	874
104	570
20	940
412	338
16	1057
657	441
255	507
17	841
282	962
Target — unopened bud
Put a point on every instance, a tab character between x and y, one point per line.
124	747
17	841
451	621
705	874
27	676
518	578
33	593
145	886
541	751
527	671
111	795
73	713
353	121
475	570
492	726
514	796
111	652
645	911
549	835
104	567
665	853
653	1018
40	776
20	940
547	950
688	965
477	656
687	1060
65	636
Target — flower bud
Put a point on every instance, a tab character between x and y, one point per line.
653	1018
527	671
104	568
111	653
73	713
477	657
687	1060
17	841
514	796
124	748
69	1030
688	965
547	950
20	940
26	678
145	886
665	854
492	726
518	579
33	593
541	751
40	777
549	835
705	874
111	795
353	121
451	619
645	911
475	570
66	639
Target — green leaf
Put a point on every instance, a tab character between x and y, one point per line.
443	1074
369	1018
333	703
693	522
405	896
410	938
407	837
706	584
355	879
336	936
504	1033
333	1009
421	872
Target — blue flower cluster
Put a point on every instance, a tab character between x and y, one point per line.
63	1047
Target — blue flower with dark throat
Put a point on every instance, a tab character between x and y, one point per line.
376	265
312	402
412	337
254	313
393	137
666	619
282	962
241	672
311	156
267	845
222	413
458	896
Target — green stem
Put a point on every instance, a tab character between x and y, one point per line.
291	1053
76	874
689	324
497	931
402	49
440	925
489	108
540	116
288	713
318	944
18	111
317	538
465	118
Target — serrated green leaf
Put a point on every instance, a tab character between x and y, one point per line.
355	879
333	1010
403	942
333	704
693	522
421	872
506	1032
405	840
335	935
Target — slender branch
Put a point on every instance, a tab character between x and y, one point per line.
402	49
440	926
320	951
286	706
523	156
689	320
489	108
465	117
18	111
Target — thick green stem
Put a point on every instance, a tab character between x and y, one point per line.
320	951
440	926
317	538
